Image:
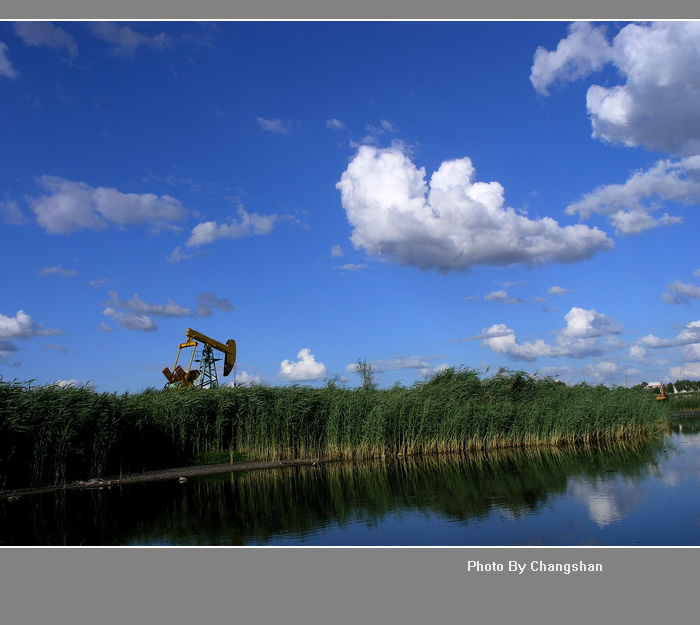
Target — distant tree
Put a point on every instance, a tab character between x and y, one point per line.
366	371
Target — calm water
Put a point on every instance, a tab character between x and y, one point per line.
642	494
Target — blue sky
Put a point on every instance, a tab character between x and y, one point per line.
416	194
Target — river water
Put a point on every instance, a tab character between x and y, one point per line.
642	494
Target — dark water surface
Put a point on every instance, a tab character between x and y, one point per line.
645	493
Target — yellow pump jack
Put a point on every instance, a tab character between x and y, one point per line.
205	376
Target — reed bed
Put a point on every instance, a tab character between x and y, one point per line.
50	434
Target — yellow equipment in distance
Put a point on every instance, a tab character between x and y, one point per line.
182	378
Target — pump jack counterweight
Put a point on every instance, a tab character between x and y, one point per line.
206	376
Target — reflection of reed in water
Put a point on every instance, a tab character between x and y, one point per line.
301	501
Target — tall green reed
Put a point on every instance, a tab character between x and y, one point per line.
50	434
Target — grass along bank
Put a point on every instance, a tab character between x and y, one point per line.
50	435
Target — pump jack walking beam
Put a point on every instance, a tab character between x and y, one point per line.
228	349
184	378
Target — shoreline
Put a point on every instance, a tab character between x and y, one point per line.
157	475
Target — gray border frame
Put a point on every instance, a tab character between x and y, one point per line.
176	586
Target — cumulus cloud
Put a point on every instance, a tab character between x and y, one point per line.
501	295
6	68
208	302
69	206
125	40
6	349
630	206
689	335
680	293
558	290
579	339
637	353
604	371
656	106
687	371
421	363
244	378
305	369
22	326
139	306
247	224
135	313
45	34
67	383
453	223
131	321
585	50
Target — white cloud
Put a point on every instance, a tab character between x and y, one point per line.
6	68
10	213
336	251
141	307
208	302
131	321
637	352
630	206
453	224
135	313
67	383
22	326
501	295
303	370
335	124
126	41
584	51
69	206
57	271
375	132
583	323
274	125
45	34
352	267
178	254
680	292
243	378
657	106
604	371
103	327
558	290
6	349
421	363
687	371
689	335
578	339
502	340
248	224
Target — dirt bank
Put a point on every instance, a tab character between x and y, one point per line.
177	473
